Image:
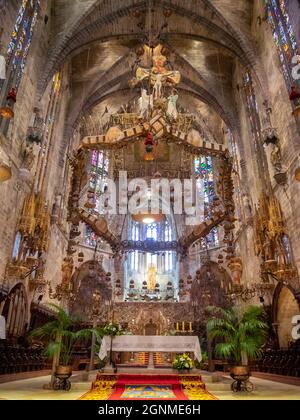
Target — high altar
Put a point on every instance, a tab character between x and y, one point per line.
151	344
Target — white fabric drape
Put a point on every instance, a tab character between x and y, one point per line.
151	344
2	328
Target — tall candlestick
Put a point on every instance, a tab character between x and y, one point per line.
183	327
177	326
191	327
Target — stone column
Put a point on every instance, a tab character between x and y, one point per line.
14	312
10	311
22	317
18	315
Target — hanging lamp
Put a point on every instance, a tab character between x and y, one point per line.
6	111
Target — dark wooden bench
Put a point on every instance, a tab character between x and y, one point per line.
221	365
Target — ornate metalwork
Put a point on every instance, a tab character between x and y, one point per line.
152	246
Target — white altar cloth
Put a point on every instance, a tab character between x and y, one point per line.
151	344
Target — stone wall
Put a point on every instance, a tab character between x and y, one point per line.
135	316
284	121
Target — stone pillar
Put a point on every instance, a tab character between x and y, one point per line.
22	317
14	312
18	315
10	310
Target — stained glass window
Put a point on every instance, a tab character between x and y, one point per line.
157	232
17	244
152	231
21	38
90	237
135	232
283	35
98	178
134	260
203	169
168	232
17	51
238	194
99	165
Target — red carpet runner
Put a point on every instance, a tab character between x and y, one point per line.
148	387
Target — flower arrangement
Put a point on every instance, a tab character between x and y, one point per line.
112	330
183	362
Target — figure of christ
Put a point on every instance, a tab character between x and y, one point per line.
151	277
158	73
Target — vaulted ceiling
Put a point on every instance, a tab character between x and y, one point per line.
99	40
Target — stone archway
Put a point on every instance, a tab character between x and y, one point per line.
287	308
151	328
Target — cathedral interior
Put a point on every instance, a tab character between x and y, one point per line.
149	170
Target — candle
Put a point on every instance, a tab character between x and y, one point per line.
191	327
177	326
183	327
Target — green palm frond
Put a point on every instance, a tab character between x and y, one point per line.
52	349
62	335
225	350
240	334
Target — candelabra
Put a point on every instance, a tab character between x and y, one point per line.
249	292
183	328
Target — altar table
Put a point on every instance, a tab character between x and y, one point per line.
151	344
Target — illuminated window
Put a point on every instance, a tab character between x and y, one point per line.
135	232
134	260
283	35
158	232
239	205
98	178
90	237
152	231
20	41
17	245
170	261
203	168
168	232
99	165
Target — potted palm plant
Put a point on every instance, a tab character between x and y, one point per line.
243	335
62	335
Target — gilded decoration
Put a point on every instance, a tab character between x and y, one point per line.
271	241
33	228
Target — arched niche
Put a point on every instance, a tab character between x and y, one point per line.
286	307
149	322
87	279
